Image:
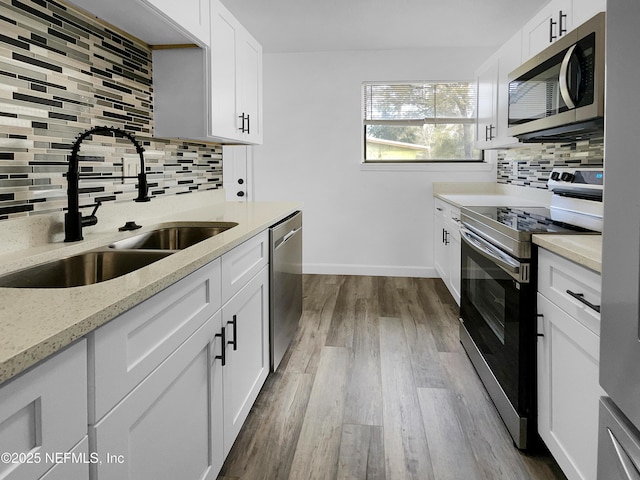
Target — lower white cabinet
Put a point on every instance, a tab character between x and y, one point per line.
246	321
43	415
162	429
568	354
446	245
175	377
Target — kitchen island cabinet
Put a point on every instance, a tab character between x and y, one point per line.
568	362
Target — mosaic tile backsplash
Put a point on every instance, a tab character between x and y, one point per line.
62	73
536	161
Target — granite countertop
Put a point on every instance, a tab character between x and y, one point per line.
585	250
487	199
35	323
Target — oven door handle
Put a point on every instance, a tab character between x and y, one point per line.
490	252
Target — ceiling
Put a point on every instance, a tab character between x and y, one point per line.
330	25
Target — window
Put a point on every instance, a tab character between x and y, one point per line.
420	122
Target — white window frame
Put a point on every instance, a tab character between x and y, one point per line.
415	165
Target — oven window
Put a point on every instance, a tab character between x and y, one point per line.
488	296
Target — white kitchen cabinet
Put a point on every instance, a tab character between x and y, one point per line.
446	241
155	22
191	15
487	123
127	349
554	20
242	263
246	320
568	363
549	24
73	465
43	412
493	96
162	429
583	10
220	99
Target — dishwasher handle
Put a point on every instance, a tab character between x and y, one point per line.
282	240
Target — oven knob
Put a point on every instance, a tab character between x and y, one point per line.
567	177
555	175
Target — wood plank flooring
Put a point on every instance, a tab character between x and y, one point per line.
377	386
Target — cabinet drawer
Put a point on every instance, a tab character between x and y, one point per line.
242	263
441	208
131	346
44	411
558	276
71	468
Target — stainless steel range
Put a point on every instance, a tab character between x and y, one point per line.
498	291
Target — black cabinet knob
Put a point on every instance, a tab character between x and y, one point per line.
240	181
241	194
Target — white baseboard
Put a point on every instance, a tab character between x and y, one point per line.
371	270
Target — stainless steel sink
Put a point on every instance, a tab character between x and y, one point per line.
176	237
83	269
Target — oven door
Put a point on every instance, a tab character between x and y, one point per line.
498	329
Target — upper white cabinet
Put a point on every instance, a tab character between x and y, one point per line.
493	95
156	22
236	78
555	20
220	99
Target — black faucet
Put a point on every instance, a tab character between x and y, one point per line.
73	219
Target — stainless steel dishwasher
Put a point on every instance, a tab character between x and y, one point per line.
285	284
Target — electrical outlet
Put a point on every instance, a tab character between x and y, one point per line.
514	168
131	169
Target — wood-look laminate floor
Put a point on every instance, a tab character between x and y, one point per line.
377	386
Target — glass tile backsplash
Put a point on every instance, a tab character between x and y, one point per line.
62	73
535	161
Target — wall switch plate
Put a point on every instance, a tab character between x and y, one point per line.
130	168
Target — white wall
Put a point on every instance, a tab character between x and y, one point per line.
356	221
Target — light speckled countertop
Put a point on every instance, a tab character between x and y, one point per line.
35	323
585	250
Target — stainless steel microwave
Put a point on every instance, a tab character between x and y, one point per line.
558	95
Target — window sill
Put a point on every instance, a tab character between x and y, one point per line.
428	167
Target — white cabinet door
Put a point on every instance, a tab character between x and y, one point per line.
487	103
250	86
191	15
246	321
455	265
236	79
549	24
75	466
43	412
162	429
583	10
440	251
568	390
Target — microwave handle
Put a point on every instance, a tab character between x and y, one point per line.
564	86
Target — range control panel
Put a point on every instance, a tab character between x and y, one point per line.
577	181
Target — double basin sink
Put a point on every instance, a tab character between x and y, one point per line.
117	259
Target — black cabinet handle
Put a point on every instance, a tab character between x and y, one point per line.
552	37
234	342
249	121
244	118
491	128
581	299
562	25
223	344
